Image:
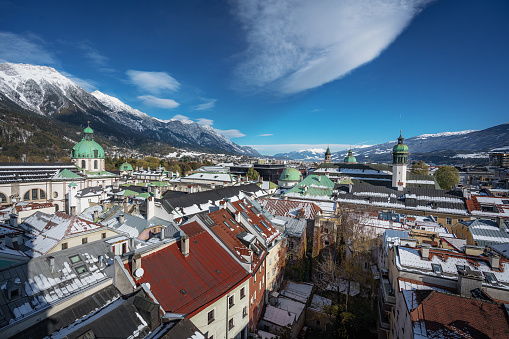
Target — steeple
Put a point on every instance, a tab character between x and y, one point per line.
399	164
328	156
89	133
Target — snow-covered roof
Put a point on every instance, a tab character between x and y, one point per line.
278	316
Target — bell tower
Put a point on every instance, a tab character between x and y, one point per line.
399	164
328	156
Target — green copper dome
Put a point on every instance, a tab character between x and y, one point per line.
87	148
400	147
350	159
126	167
290	174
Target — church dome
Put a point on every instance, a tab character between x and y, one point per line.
290	174
87	148
126	167
350	159
400	147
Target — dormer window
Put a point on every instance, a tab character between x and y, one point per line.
13	289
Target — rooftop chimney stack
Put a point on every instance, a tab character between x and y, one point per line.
136	263
51	263
500	222
150	208
13	221
425	251
126	207
494	261
184	245
96	215
121	219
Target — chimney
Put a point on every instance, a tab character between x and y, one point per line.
494	261
126	207
73	210
237	216
150	208
319	178
51	263
213	185
500	222
136	265
468	280
161	234
121	219
157	193
425	251
184	245
13	221
96	215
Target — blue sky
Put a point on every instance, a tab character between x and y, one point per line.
281	75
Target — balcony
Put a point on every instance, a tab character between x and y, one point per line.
388	294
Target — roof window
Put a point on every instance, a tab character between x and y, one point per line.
461	267
183	292
437	268
81	269
227	224
75	258
490	277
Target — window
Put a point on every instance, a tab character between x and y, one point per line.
103	235
290	245
437	268
81	269
211	316
95	163
42	195
244	312
230	324
55	194
84	240
460	220
35	194
490	277
231	301
448	221
228	225
3	198
242	292
57	208
26	197
83	163
75	258
461	267
64	246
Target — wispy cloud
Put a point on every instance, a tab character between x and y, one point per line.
295	45
230	133
87	84
208	104
158	102
153	82
266	135
205	121
93	55
25	48
317	110
180	117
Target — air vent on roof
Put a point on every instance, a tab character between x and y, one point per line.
218	271
139	272
183	292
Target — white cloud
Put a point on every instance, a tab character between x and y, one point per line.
87	84
27	48
153	82
180	117
205	121
230	133
285	148
295	45
266	135
158	102
207	105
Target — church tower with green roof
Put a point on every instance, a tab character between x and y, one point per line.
328	156
88	154
399	164
350	159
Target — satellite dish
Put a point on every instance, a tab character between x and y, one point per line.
139	272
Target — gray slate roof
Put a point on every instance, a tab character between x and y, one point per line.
294	227
31	172
487	232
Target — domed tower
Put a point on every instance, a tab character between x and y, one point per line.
350	159
87	153
399	164
328	156
290	177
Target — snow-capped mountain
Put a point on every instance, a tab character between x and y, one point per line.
45	91
439	147
312	154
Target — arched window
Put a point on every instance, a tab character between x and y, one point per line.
26	197
95	164
3	198
83	163
34	194
55	194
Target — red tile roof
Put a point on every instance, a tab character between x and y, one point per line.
289	208
229	236
186	285
270	232
450	316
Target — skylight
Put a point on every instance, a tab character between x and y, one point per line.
81	269
437	268
490	277
75	258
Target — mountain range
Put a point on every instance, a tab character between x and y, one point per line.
47	93
471	146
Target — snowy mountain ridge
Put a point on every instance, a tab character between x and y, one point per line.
47	92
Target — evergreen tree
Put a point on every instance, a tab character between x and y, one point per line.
447	177
252	174
420	168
